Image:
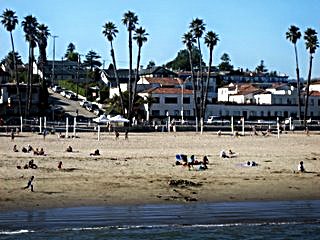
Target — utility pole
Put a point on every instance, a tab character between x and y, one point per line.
53	53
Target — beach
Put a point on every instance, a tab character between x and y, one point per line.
138	170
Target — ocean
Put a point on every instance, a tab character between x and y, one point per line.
230	220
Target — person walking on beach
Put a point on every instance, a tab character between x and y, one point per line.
126	134
12	135
30	183
116	133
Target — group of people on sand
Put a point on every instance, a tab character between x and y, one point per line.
30	165
192	162
230	154
29	149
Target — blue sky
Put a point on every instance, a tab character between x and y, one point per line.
249	30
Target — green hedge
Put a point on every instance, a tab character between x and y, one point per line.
72	87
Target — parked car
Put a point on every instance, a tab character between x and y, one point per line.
98	112
56	89
71	95
91	107
84	103
63	93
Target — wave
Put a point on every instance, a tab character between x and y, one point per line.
16	232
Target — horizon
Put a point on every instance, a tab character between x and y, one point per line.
249	31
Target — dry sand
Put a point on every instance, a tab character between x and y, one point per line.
137	171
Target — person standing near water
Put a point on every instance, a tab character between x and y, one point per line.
30	184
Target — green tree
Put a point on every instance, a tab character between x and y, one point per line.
140	36
311	41
261	68
110	31
92	60
130	20
9	20
151	64
211	40
30	25
71	54
181	61
225	64
293	35
10	60
188	39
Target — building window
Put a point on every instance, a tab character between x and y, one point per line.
171	100
311	102
262	114
155	113
156	100
186	100
176	113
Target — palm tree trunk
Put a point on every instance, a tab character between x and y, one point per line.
117	77
194	87
16	74
134	90
130	72
31	81
28	85
306	105
201	81
298	83
207	84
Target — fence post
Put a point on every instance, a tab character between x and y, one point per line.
21	124
40	126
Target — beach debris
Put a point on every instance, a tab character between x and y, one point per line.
183	183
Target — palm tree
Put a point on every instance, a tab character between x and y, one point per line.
211	39
189	40
9	21
197	28
42	39
130	20
71	54
140	36
311	40
294	35
30	25
110	31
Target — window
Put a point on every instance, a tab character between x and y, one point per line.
311	102
156	100
171	100
155	113
186	100
186	113
176	113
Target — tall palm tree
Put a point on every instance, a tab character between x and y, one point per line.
311	40
189	40
211	40
293	35
42	39
9	20
110	31
130	20
140	36
197	28
30	25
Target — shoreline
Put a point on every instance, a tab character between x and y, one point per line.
137	171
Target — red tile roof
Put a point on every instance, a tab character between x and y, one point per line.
168	91
164	81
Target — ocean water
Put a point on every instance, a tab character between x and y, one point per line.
234	220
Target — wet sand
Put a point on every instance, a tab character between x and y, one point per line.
138	170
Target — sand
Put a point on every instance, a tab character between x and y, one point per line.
137	170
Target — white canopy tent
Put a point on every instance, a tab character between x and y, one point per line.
101	119
118	118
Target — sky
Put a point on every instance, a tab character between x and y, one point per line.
249	30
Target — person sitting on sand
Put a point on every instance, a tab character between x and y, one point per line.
24	150
95	153
41	152
202	166
60	165
36	152
69	149
219	133
30	183
126	135
205	160
252	164
116	133
301	167
223	154
29	148
232	153
15	148
32	164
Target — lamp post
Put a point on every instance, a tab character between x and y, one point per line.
78	74
53	53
